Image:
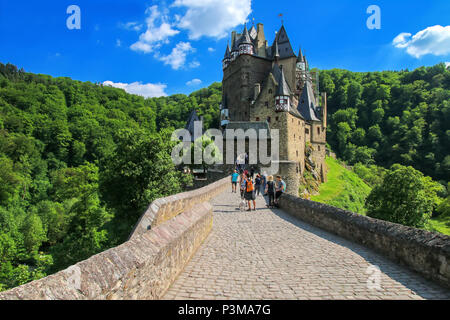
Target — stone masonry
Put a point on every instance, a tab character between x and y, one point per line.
269	254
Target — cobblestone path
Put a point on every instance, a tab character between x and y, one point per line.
267	254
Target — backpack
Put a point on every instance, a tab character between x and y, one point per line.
250	187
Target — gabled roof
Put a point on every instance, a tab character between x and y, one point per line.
284	44
283	88
307	103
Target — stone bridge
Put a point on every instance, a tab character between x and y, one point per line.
198	245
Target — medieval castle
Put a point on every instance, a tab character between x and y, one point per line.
271	87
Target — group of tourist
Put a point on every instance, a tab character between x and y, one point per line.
252	186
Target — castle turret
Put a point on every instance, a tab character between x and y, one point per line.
227	58
283	94
245	43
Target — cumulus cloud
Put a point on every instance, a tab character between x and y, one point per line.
211	49
132	26
147	90
447	64
433	40
212	18
194	82
155	35
177	58
118	43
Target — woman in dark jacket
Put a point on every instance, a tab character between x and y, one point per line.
270	191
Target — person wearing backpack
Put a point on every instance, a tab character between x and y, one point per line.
270	191
250	193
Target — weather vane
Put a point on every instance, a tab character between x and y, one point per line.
281	16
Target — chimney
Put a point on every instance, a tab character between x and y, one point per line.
233	38
257	91
324	109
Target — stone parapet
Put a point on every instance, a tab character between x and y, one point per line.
140	269
164	209
425	252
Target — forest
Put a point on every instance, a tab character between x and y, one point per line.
80	162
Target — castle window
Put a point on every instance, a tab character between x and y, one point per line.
318	130
318	147
270	91
267	103
268	119
294	136
276	119
297	153
307	131
257	118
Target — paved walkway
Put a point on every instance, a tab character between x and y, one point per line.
267	254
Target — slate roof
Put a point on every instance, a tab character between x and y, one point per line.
307	105
190	123
283	87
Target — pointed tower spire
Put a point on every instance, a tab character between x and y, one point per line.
276	54
300	56
227	52
283	88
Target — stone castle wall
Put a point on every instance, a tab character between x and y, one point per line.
424	252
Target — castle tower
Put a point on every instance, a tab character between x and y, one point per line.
270	86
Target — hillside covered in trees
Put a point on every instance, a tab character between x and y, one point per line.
79	163
390	117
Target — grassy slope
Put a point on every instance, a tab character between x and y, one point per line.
344	189
441	224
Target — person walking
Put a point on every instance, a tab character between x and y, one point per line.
250	193
280	188
258	182
242	182
234	181
270	191
263	182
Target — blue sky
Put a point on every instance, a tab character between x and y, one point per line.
176	46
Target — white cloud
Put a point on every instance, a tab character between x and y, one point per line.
148	90
155	35
194	64
194	82
177	58
211	49
212	18
433	40
132	26
447	64
118	43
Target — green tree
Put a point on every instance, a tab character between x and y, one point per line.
406	197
